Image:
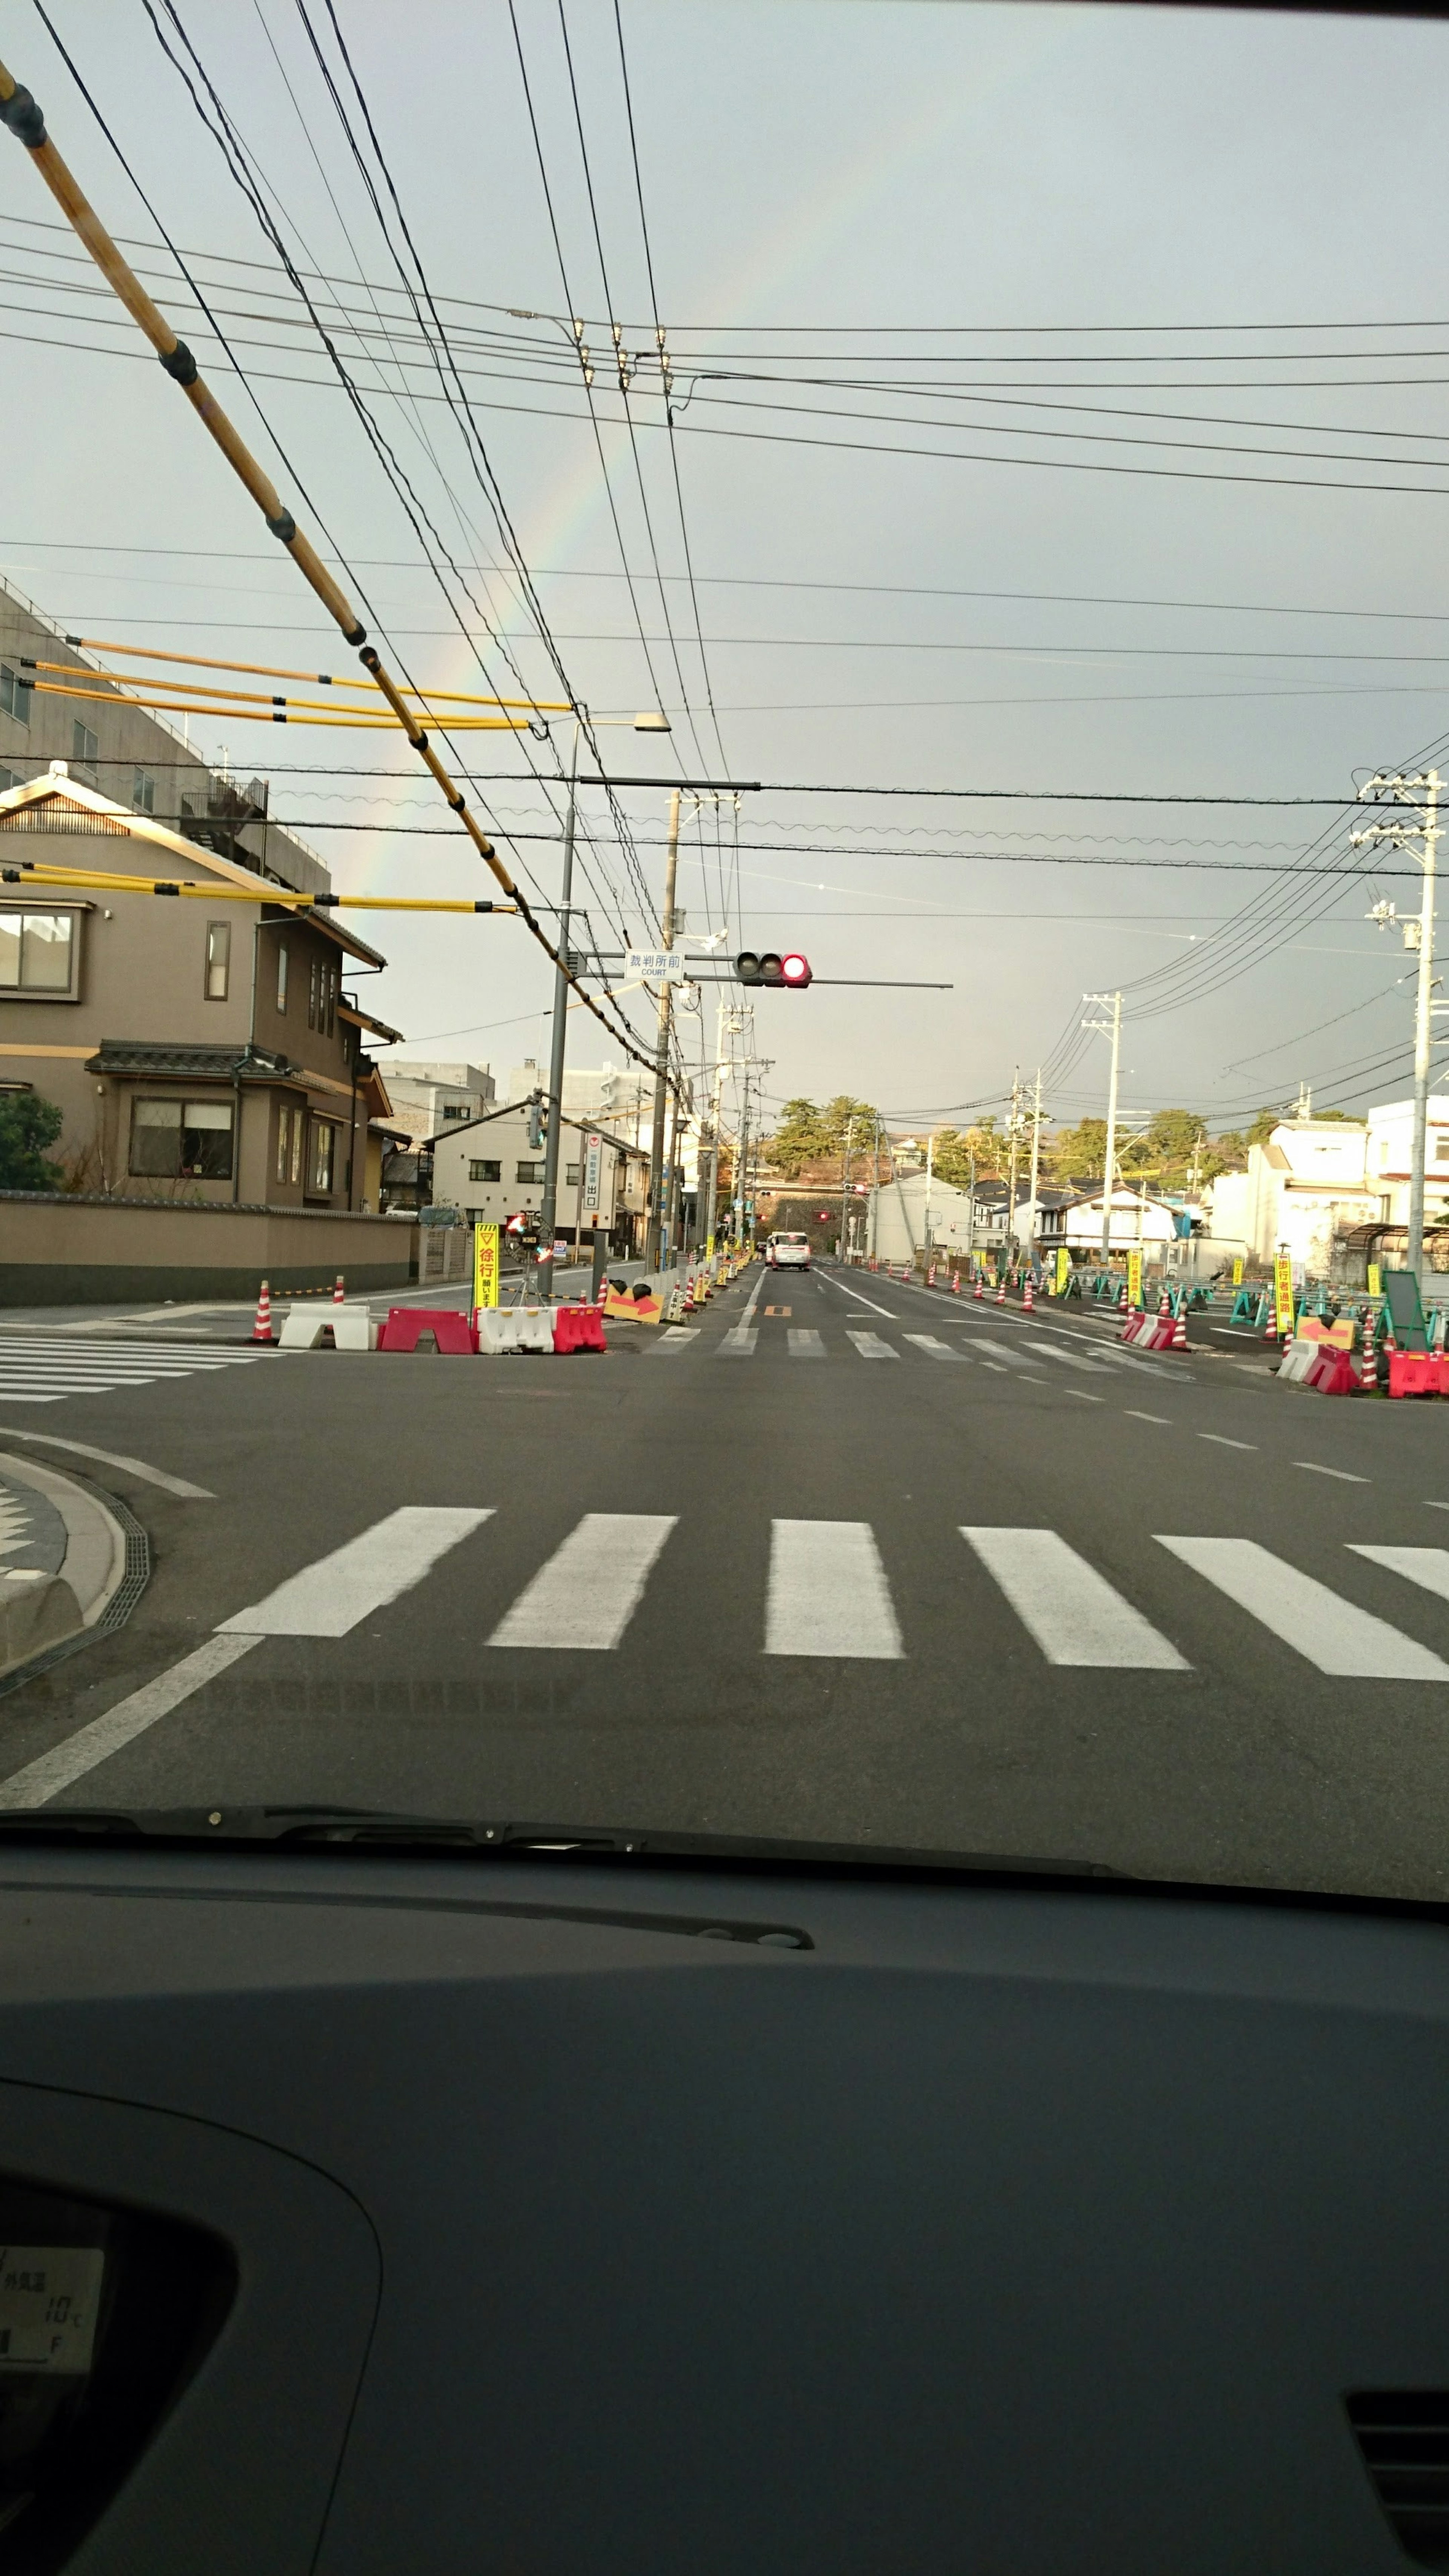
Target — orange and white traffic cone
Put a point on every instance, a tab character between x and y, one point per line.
931	1276
262	1328
1028	1303
1164	1307
1179	1331
339	1293
1368	1376
979	1291
955	1283
1001	1290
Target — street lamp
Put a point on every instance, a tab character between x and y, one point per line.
651	721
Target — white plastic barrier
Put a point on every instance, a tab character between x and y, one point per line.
1297	1360
514	1328
352	1328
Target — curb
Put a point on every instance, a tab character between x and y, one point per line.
103	1570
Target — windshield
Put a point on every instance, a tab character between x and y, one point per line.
426	697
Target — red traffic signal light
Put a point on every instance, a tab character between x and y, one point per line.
791	971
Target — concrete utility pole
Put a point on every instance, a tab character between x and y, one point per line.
661	1060
548	1213
845	1191
1015	1153
875	1192
1422	793
1035	1170
1109	1029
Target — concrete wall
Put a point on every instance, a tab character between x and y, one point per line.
62	1251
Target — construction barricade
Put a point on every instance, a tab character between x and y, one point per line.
350	1328
578	1328
406	1326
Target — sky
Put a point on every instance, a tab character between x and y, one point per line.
983	245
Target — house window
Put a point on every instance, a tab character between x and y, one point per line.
321	1158
284	1138
528	1173
296	1171
456	1109
281	979
312	994
37	952
14	695
181	1139
143	792
218	960
573	1174
485	1171
1441	1149
330	978
83	745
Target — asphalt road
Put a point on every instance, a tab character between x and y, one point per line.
718	1581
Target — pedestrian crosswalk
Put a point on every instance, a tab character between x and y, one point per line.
829	1594
1029	1356
45	1368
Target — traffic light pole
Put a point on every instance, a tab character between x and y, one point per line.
548	1212
654	1237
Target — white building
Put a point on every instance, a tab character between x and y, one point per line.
620	1097
1137	1219
488	1170
1308	1183
427	1097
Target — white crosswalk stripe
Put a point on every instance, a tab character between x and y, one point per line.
1426	1566
587	1593
42	1368
805	1344
937	1349
1073	1612
674	1337
738	1343
828	1593
1329	1632
871	1347
328	1599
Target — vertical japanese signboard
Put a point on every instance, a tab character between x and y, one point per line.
1375	1280
593	1178
1283	1293
1134	1275
1064	1269
485	1266
1237	1269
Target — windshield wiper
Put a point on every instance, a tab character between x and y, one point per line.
381	1828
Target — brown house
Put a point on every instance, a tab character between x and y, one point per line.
199	1049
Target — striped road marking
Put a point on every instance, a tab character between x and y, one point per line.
804	1344
328	1598
587	1593
1332	1634
871	1347
1072	1611
938	1350
828	1593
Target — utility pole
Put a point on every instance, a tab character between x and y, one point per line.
971	1212
1421	793
1015	1152
661	1061
875	1192
1109	1029
930	1175
1035	1170
548	1213
845	1190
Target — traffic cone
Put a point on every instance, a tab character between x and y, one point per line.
262	1328
1028	1303
1179	1330
1368	1376
979	1291
1001	1290
339	1293
931	1276
1164	1306
955	1283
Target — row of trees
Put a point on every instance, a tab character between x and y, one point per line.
1172	1152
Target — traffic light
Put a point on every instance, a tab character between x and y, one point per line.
792	971
535	1121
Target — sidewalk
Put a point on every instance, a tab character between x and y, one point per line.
65	1562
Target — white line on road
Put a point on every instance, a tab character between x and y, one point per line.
1223	1442
804	1344
888	1311
1072	1611
1436	1507
328	1598
1328	1632
996	1368
938	1350
112	1458
1071	1359
587	1593
121	1725
1311	1467
1080	1393
674	1337
738	1343
1165	1419
828	1593
1000	1351
871	1347
1426	1566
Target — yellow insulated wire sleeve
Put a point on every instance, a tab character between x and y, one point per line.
265	671
249	706
96	881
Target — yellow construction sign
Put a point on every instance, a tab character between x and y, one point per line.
1283	1293
485	1266
1134	1276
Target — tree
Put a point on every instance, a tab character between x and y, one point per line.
1174	1138
951	1158
799	1139
1263	1126
843	1113
27	1125
1077	1153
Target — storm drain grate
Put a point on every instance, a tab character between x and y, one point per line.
1403	2434
121	1603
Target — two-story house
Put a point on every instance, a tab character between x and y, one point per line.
489	1171
200	1047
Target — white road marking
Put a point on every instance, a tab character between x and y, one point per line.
1071	1359
1224	1442
328	1599
828	1593
738	1343
888	1312
1328	1632
1081	1394
804	1344
1133	1415
871	1347
1436	1507
1072	1611
1311	1467
1426	1566
130	1717
1000	1350
996	1368
113	1458
674	1337
587	1593
938	1350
